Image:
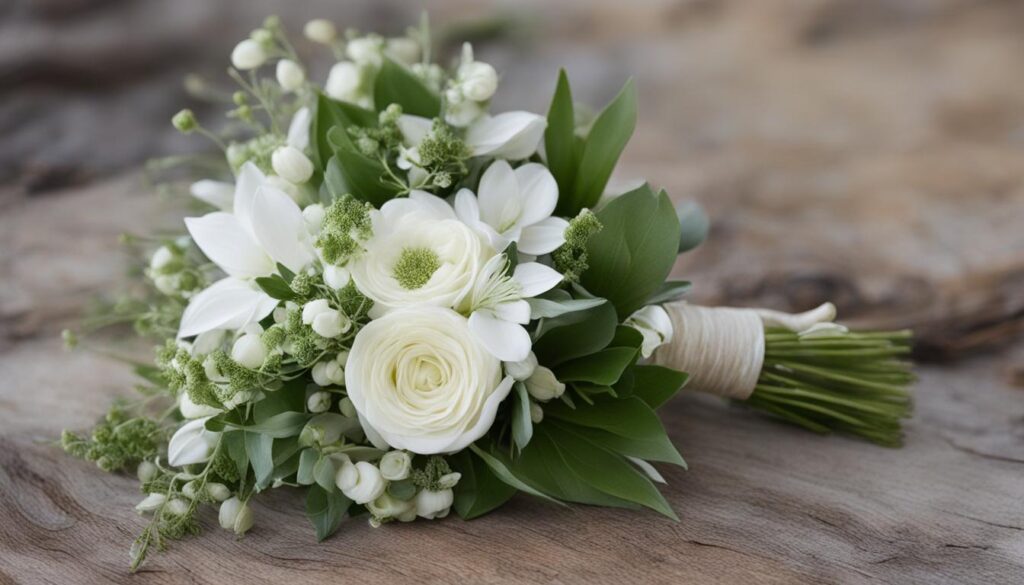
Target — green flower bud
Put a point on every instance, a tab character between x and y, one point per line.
185	121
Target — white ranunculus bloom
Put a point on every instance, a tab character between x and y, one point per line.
420	381
654	325
192	443
420	253
361	482
498	309
515	206
431	504
265	227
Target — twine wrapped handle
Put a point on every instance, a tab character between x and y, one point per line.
723	348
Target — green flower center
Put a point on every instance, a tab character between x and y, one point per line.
415	267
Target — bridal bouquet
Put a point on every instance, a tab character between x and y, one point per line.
405	303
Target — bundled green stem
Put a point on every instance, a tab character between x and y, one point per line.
850	382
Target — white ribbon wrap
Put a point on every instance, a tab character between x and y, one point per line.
722	349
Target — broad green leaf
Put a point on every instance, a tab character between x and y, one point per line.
560	140
543	465
350	172
541	308
234	443
626	336
479	491
522	426
259	449
669	290
606	471
325	510
290	397
323	473
693	225
604	144
501	470
276	287
634	251
307	460
332	114
628	426
285	424
602	368
397	85
285	273
655	385
403	489
575	334
286	457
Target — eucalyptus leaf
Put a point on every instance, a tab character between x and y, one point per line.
693	225
655	385
285	424
541	307
307	460
397	85
670	290
479	490
325	510
276	287
323	473
560	140
522	426
602	368
234	443
502	472
259	449
576	334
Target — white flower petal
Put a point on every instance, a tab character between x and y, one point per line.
229	245
543	237
512	135
279	226
250	177
414	128
217	193
466	207
514	311
298	130
229	303
438	206
535	278
539	193
192	443
505	340
498	196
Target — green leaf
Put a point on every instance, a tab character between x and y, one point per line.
285	424
602	368
234	443
627	426
634	252
503	473
693	225
325	510
669	290
397	85
276	287
323	473
286	457
575	334
479	491
606	471
291	397
332	114
601	150
541	308
350	172
307	460
259	449
655	385
522	426
403	489
560	139
285	273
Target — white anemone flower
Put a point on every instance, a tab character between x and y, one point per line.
510	135
266	227
499	309
515	206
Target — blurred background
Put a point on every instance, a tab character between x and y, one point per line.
862	151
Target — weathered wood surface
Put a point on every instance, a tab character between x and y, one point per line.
865	151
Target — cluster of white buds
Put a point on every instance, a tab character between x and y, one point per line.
330	372
324	320
351	80
169	271
474	84
218	492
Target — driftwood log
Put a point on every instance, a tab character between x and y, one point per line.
861	151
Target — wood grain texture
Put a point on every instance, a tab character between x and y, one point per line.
861	151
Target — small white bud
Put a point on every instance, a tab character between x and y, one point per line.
478	81
218	491
192	443
344	81
335	372
146	471
403	49
314	216
319	373
162	257
387	506
318	402
523	369
336	277
395	465
432	504
313	308
361	482
235	516
366	51
189	490
654	325
166	284
346	407
177	507
536	413
280	315
249	351
543	385
150	503
320	31
290	75
291	165
287	187
331	324
248	54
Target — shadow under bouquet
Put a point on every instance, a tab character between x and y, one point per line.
405	304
